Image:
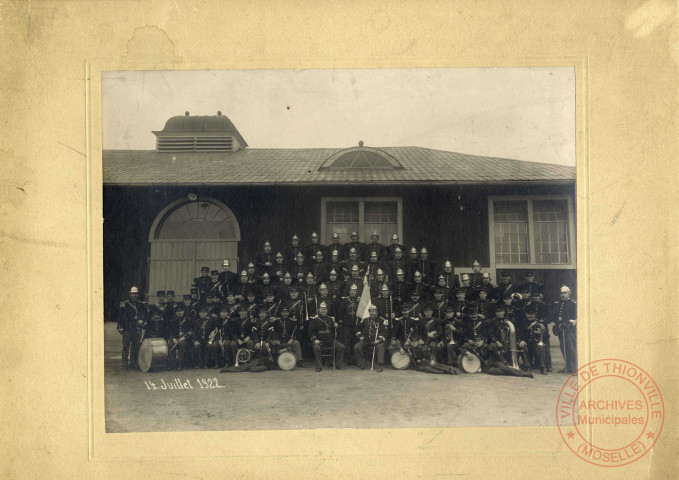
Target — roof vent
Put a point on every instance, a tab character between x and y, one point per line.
214	133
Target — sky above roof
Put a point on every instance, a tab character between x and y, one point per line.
521	113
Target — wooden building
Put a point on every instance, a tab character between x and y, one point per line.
203	196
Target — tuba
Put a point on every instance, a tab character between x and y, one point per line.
508	335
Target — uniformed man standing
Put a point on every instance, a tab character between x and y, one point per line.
530	285
385	305
265	260
278	270
283	289
391	249
449	276
299	269
400	291
319	268
335	287
352	262
353	279
356	245
420	287
475	279
203	283
294	249
426	267
376	247
336	245
312	249
564	316
432	329
131	321
227	278
336	264
398	263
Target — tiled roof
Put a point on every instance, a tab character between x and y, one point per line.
300	166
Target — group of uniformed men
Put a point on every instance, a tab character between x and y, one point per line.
282	301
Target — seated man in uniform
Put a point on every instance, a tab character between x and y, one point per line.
374	333
289	334
455	332
179	338
404	328
432	329
323	332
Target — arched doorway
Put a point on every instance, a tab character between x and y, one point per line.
186	235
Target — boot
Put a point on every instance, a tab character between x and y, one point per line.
379	367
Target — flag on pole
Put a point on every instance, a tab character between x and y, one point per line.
364	303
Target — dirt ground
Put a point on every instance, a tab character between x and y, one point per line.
304	399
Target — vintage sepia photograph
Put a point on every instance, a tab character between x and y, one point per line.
338	248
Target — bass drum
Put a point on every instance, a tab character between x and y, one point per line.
152	354
469	362
286	360
400	361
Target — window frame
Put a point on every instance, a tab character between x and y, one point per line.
532	263
361	213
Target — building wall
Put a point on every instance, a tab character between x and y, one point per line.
433	216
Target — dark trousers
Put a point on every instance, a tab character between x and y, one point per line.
130	348
360	350
177	357
349	339
569	349
317	349
204	352
537	355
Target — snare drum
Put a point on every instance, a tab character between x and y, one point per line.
469	361
400	361
287	360
152	354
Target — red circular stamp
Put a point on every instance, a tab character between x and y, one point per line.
610	412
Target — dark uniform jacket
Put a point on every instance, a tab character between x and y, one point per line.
178	328
335	290
349	264
394	265
385	308
358	281
390	250
311	249
440	307
244	329
130	314
422	289
320	271
340	251
400	292
298	272
321	328
428	271
204	285
228	280
377	248
433	325
530	287
475	280
375	328
360	250
567	310
451	279
404	326
291	253
347	312
262	259
296	308
156	327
